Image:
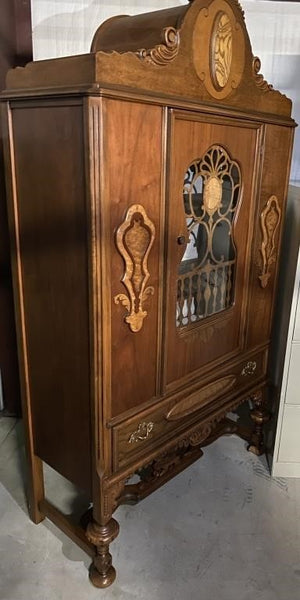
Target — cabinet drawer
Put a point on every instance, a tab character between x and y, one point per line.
151	428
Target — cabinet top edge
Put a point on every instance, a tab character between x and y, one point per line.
79	94
168	52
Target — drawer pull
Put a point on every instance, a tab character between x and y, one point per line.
249	368
142	433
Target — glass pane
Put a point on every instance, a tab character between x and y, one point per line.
206	274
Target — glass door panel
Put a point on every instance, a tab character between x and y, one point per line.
211	192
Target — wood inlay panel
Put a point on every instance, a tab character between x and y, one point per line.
134	240
269	221
189	405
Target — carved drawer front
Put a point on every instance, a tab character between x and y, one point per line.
150	429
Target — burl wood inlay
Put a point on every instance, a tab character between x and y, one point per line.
211	391
221	50
212	196
269	221
134	240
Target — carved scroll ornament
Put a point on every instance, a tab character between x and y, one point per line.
269	221
134	240
163	53
258	77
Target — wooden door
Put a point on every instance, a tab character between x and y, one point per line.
212	189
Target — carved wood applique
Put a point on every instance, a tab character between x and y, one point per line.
163	53
258	77
269	221
134	240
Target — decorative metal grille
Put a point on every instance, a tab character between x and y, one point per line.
206	274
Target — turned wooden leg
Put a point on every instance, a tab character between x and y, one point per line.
259	416
102	573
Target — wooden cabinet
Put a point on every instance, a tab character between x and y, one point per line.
148	185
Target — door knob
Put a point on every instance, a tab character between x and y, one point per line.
181	240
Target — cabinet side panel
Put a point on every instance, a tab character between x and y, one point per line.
51	219
132	170
269	225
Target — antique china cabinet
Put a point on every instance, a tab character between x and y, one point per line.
147	184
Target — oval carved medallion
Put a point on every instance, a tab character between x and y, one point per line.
221	50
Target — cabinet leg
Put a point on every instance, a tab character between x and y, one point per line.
259	416
102	573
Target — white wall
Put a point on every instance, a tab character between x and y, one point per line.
64	27
274	30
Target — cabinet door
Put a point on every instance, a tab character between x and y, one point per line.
210	222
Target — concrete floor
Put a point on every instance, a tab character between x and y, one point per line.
221	530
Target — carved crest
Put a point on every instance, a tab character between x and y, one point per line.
269	221
134	240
